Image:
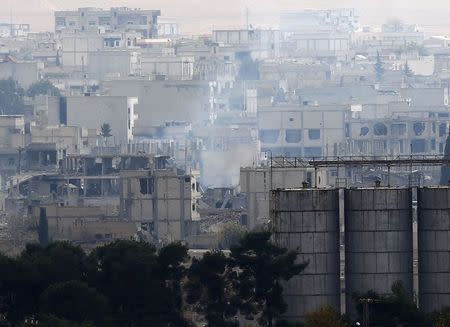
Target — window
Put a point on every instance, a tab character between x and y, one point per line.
419	128
379	129
314	134
442	129
293	135
146	185
364	131
269	135
433	145
418	146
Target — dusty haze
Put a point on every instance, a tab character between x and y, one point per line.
199	16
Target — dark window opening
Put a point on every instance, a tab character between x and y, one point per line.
293	135
380	129
364	131
418	146
269	135
442	129
314	134
419	128
146	185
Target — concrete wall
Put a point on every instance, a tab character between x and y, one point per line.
169	201
378	241
23	73
174	68
102	64
434	248
161	101
256	183
92	112
85	224
306	131
76	49
307	220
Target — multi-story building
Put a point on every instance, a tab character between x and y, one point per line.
301	130
98	21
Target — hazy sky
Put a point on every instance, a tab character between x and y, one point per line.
199	16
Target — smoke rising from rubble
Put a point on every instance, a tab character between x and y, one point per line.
221	169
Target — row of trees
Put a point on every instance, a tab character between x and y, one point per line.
12	94
380	70
133	284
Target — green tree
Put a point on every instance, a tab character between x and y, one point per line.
43	227
209	291
135	280
105	131
26	277
442	318
445	169
43	87
407	70
262	268
52	321
394	310
11	97
325	316
229	234
379	67
171	259
77	302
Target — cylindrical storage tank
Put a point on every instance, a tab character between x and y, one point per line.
378	242
307	220
433	228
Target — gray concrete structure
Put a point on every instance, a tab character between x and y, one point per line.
378	241
162	101
308	220
434	248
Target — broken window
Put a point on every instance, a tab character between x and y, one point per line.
269	135
364	131
293	135
418	146
442	129
419	128
146	185
314	134
379	129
